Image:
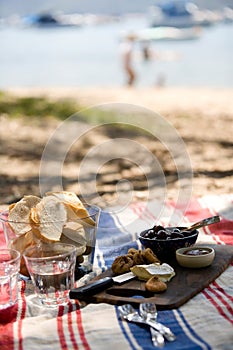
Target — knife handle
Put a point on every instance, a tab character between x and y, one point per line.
91	288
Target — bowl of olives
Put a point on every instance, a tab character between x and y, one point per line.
165	241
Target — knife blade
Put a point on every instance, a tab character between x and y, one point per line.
99	285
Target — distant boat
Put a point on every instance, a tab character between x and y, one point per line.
168	34
179	14
47	20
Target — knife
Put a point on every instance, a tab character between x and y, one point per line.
99	285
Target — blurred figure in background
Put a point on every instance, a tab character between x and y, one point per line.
146	51
127	50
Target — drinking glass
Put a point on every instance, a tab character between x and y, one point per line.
75	228
9	269
90	236
51	268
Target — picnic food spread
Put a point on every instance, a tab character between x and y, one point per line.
61	217
160	244
146	267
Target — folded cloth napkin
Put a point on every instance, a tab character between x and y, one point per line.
204	322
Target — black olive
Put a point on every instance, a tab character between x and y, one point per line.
149	234
158	228
176	230
177	235
145	235
168	232
162	234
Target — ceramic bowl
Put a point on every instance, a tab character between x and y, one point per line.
165	250
195	257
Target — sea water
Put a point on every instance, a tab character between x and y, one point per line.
53	281
91	56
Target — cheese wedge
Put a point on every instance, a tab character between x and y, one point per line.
144	272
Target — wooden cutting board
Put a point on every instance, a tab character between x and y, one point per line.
185	285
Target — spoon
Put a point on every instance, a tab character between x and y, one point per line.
128	313
156	337
204	222
149	312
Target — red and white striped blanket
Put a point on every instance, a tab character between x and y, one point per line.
204	322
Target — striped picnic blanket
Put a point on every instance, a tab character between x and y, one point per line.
204	322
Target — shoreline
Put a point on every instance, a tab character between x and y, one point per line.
162	100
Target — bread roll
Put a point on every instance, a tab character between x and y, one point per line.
19	214
51	216
74	206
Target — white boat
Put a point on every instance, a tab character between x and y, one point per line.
179	14
168	33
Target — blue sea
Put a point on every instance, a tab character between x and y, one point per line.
91	56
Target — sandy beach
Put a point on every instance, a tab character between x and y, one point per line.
202	117
208	101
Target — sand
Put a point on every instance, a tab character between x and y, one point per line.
203	118
162	100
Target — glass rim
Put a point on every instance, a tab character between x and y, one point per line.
54	256
12	260
4	217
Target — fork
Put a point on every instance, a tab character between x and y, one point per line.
157	338
149	312
128	313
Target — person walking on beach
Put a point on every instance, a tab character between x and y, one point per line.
146	51
127	58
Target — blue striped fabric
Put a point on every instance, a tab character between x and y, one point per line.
115	238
